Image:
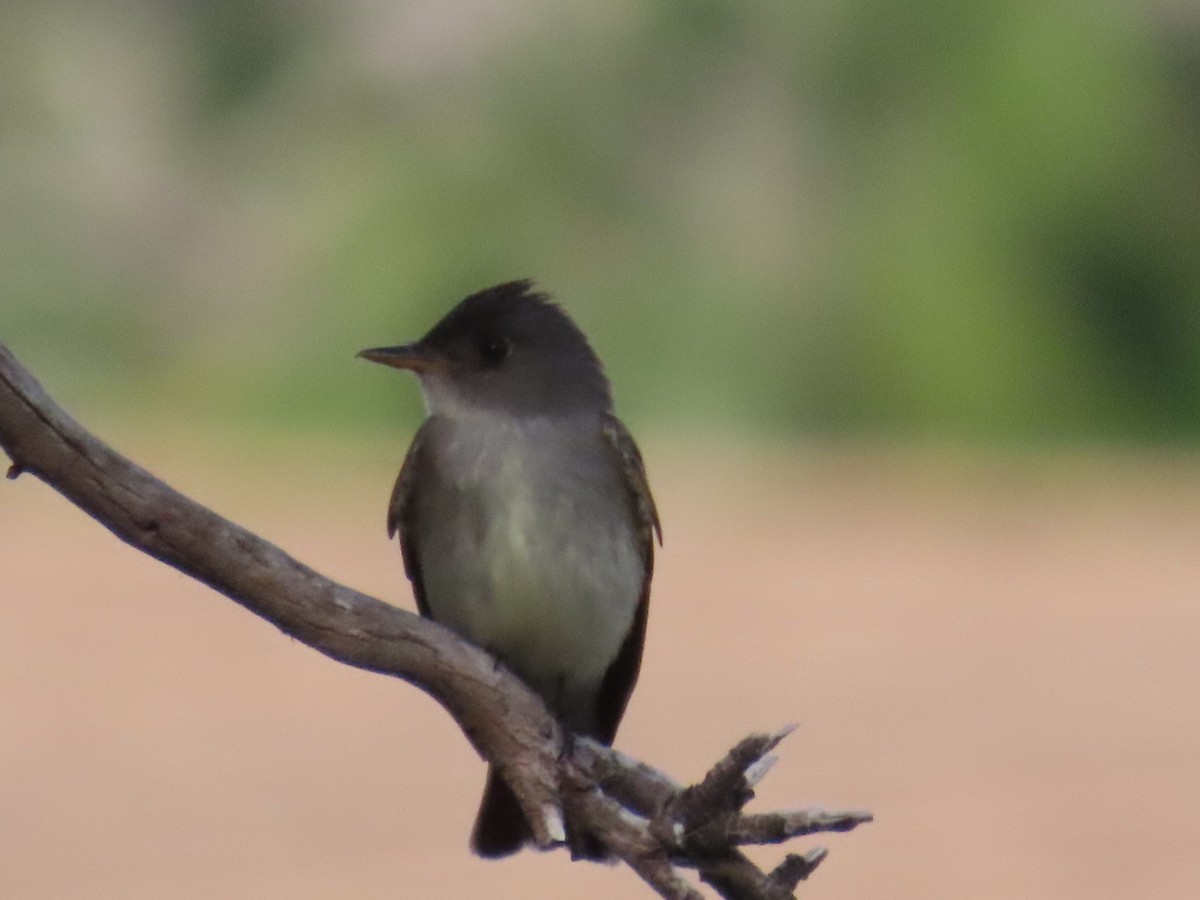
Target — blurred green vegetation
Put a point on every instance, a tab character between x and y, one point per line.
973	221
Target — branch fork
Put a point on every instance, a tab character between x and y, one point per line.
644	817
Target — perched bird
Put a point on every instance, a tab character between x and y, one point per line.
525	518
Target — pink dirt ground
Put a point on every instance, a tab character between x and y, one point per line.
1000	659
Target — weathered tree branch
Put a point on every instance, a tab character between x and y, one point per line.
648	820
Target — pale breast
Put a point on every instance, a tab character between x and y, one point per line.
534	552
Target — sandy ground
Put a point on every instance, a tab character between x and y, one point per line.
1000	658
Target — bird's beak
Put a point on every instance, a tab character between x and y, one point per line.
413	357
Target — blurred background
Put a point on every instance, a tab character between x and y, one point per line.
901	300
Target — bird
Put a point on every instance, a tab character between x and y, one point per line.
525	518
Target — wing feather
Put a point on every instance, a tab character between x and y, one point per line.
400	516
622	675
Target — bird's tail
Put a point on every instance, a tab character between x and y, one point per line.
500	827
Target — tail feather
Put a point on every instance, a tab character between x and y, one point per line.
500	828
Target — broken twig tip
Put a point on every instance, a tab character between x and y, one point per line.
774	739
758	771
843	820
796	868
554	824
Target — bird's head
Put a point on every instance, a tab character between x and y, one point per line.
505	349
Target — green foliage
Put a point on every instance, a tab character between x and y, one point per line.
972	221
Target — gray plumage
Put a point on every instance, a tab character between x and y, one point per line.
524	516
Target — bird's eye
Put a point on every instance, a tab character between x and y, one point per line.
494	349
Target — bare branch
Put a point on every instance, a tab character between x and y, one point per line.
775	828
727	787
643	816
796	868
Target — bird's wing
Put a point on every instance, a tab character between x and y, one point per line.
620	441
622	674
399	518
